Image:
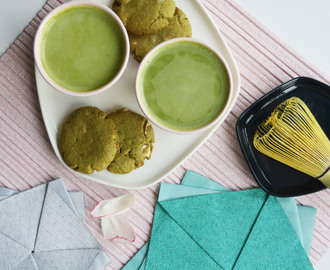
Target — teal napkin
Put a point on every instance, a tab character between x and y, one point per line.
210	227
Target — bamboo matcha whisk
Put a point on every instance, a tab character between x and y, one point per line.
292	135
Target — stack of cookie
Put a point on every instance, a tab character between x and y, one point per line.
92	140
150	22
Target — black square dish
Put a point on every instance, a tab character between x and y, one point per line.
274	177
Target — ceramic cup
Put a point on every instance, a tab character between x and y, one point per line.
175	88
51	19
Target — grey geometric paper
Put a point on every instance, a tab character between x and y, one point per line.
28	263
79	204
12	251
59	221
61	191
20	215
43	228
6	192
62	259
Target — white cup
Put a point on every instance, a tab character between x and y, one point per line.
43	26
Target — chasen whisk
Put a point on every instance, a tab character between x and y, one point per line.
292	135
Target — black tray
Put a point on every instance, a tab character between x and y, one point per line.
274	177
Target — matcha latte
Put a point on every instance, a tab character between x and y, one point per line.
183	85
82	48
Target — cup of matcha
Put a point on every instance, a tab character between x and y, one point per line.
81	48
183	86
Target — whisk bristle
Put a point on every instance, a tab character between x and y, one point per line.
292	135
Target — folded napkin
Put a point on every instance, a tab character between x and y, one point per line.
43	228
202	225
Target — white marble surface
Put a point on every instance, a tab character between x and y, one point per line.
304	26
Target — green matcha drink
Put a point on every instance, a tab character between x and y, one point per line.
184	86
82	48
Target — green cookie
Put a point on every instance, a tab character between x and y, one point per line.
179	26
136	138
144	16
88	140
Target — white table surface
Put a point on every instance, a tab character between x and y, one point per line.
304	26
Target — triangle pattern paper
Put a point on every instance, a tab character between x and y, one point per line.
22	212
194	179
6	192
307	216
139	259
172	248
58	186
290	208
12	251
194	184
60	227
53	260
219	223
273	239
27	263
24	218
101	261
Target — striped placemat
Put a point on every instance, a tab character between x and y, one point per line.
27	158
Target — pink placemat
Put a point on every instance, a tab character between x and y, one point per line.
27	158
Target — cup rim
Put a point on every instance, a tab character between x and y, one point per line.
37	46
139	96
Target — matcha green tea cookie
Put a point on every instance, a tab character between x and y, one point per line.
179	26
88	140
136	137
144	16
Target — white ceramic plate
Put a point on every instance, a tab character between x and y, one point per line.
169	149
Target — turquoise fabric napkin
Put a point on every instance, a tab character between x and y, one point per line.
201	224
